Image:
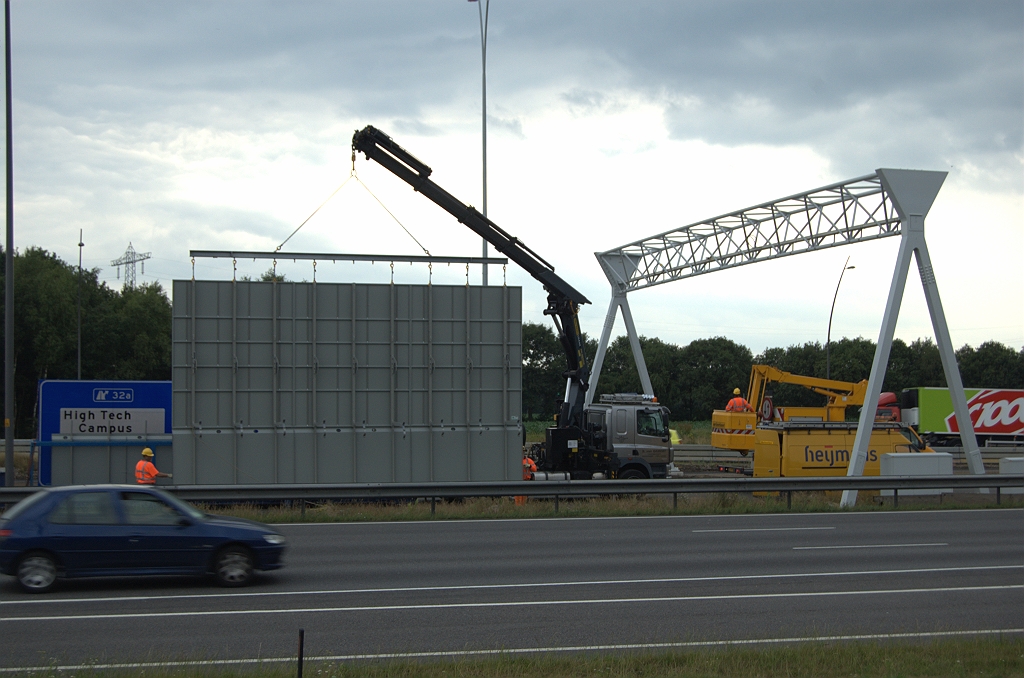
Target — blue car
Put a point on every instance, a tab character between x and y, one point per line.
128	530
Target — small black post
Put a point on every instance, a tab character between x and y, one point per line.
556	503
999	498
675	500
303	509
433	501
789	499
302	634
896	497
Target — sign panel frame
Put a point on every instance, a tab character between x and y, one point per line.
106	407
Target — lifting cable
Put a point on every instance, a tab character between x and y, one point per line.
352	175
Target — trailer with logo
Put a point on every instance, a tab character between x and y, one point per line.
997	415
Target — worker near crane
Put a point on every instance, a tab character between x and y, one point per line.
145	470
738	403
529	468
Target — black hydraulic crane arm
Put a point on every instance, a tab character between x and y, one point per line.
563	299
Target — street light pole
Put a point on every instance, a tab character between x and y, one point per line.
80	246
9	276
828	337
484	10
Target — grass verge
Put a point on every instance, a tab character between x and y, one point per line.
990	657
692	432
596	507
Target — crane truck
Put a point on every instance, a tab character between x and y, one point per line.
806	441
622	436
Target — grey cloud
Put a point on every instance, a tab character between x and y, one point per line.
925	82
417	127
930	84
512	125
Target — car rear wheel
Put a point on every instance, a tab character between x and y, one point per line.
233	566
37	572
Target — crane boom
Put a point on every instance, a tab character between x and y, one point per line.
563	299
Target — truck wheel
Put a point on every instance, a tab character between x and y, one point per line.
632	474
37	572
233	566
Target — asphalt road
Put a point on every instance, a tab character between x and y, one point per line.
476	587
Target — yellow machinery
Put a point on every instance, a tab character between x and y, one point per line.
805	441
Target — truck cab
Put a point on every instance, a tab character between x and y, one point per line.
633	428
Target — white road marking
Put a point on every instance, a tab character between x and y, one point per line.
507	604
485	587
768	529
519	651
863	546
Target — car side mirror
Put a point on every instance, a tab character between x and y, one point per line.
184	522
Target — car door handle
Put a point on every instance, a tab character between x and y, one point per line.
133	540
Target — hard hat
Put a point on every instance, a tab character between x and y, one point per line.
146	452
735	391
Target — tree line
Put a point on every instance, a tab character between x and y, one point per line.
126	333
695	379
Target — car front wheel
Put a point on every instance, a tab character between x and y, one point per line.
233	567
37	572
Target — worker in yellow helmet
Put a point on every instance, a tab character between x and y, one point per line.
145	471
738	403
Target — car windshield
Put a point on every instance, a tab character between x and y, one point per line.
22	505
183	506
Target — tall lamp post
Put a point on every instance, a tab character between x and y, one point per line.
828	338
484	10
9	275
81	244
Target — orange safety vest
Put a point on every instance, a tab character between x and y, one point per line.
529	468
145	472
737	404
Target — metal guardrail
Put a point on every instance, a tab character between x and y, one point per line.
563	488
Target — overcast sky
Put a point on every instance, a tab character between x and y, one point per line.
223	125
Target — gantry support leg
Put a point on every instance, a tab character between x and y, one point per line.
913	193
618	301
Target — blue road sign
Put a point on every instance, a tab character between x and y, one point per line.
98	409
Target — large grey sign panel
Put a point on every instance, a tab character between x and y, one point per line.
333	383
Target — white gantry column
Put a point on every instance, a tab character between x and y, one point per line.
618	301
912	193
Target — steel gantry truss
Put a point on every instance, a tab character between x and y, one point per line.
886	203
840	214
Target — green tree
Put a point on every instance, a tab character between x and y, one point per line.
991	365
543	364
807	360
271	275
915	365
851	359
125	335
618	371
709	370
143	348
